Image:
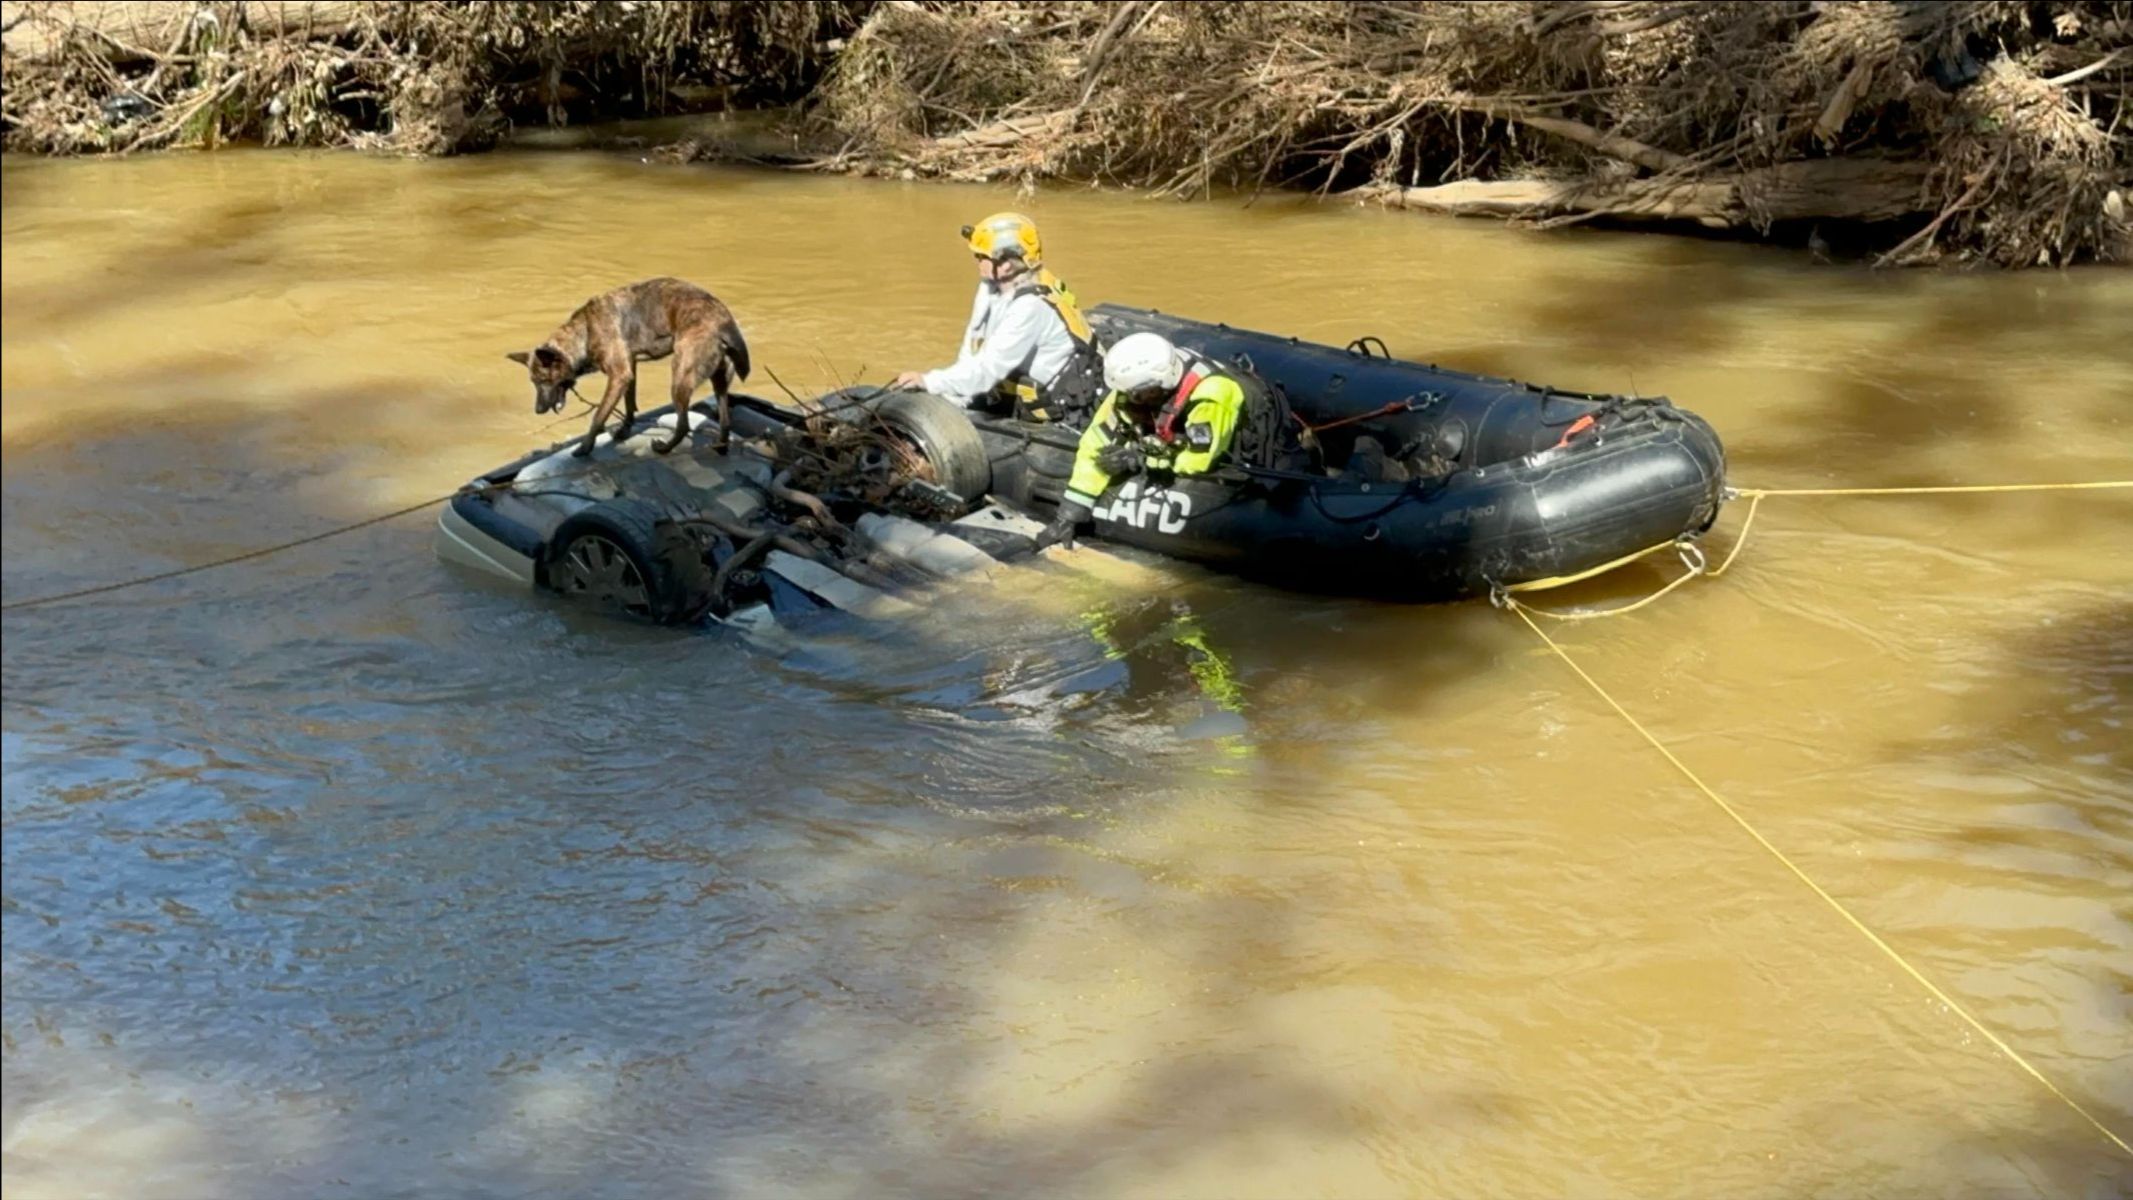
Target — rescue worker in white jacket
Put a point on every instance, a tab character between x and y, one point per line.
1027	343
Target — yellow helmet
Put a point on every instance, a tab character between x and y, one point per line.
1006	235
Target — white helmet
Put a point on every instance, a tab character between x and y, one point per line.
1143	362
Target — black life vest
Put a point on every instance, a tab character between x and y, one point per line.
1072	395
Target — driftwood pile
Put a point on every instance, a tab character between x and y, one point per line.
1974	129
1966	130
420	78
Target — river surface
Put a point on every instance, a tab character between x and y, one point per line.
345	872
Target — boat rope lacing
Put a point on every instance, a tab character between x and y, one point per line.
1503	597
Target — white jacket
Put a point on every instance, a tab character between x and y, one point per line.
1009	333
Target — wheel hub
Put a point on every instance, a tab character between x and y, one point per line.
596	569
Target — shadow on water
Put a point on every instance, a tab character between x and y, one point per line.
642	923
2030	786
610	958
2021	1161
266	224
177	255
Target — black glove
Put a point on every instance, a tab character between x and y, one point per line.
1061	531
1121	460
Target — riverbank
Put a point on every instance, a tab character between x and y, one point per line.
1979	131
418	78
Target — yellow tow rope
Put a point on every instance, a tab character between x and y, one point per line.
2099	485
1692	557
1503	598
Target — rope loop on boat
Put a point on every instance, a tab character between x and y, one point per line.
1692	558
1503	595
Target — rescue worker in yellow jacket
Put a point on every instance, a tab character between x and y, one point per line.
1027	345
1168	411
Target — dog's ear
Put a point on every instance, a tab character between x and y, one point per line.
518	356
551	357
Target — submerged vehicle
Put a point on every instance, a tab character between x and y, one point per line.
1402	480
834	510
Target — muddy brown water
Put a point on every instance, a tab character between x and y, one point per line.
348	873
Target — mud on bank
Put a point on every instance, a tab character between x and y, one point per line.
1979	130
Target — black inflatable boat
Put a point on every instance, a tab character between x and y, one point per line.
1522	482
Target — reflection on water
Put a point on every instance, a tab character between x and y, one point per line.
346	871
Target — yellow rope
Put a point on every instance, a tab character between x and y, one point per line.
1832	901
1932	491
1508	601
1741	539
1755	498
1556	581
1506	595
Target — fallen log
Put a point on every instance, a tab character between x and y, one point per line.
1841	189
131	31
1510	198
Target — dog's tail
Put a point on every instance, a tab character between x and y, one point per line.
729	336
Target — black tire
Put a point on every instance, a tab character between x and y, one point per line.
627	554
939	428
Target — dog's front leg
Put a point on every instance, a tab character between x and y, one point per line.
616	385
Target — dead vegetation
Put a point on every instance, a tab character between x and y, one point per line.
421	78
1973	130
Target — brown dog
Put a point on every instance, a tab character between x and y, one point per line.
613	332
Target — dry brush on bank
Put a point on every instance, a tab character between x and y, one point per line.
421	78
1969	130
1973	129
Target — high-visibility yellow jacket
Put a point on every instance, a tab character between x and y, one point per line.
1189	435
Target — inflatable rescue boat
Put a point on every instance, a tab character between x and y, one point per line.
1494	482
